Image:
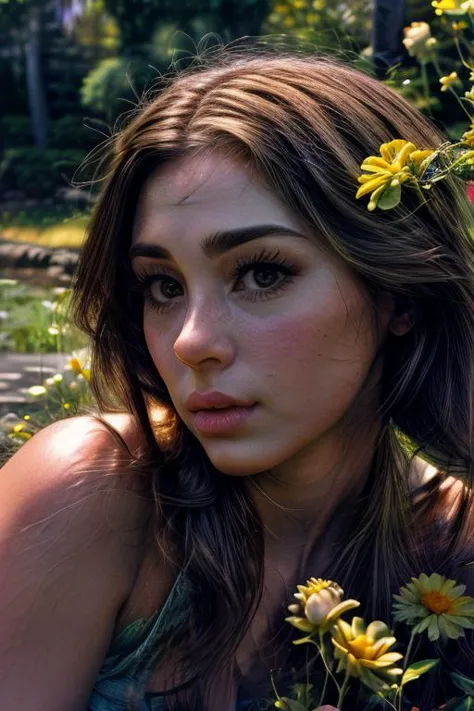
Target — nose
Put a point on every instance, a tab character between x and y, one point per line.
206	337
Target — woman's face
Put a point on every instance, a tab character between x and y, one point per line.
293	335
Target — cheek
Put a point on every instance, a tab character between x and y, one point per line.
317	356
156	347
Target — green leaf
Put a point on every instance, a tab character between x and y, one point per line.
459	704
463	683
417	669
390	197
302	692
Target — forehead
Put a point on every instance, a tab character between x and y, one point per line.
198	193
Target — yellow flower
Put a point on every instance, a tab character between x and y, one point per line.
468	6
19	427
416	38
363	652
67	406
468	136
448	7
436	604
79	363
319	606
393	167
448	80
470	94
459	26
76	367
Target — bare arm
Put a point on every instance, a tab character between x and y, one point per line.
70	545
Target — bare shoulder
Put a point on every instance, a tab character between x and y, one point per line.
77	456
71	543
76	470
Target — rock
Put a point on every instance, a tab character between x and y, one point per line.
72	195
37	256
9	420
65	259
55	271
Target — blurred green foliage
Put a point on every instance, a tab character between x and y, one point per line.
38	173
115	85
35	319
330	25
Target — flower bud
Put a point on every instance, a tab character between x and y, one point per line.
320	604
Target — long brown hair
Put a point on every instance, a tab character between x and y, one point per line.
304	124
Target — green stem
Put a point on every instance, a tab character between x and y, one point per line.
326	666
321	698
471	20
343	691
440	74
461	56
405	665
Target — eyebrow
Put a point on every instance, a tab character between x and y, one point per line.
218	243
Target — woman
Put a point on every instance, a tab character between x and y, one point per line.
150	555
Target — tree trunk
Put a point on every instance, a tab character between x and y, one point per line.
34	77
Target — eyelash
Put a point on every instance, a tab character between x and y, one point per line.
263	259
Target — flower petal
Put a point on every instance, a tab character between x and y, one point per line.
340	609
378	629
372	185
382	662
448	628
433	628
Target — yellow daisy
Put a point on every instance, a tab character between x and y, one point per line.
436	604
363	652
319	605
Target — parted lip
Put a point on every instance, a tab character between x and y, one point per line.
207	401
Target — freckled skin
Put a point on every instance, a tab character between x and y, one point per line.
302	354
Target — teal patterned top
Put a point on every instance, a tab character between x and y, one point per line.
119	687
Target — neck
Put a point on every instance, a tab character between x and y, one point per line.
307	500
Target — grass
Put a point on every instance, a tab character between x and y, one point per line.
47	226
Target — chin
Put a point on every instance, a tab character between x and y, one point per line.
229	462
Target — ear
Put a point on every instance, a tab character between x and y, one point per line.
404	316
396	312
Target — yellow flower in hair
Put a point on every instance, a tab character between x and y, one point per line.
448	81
436	604
319	605
363	652
393	167
448	7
